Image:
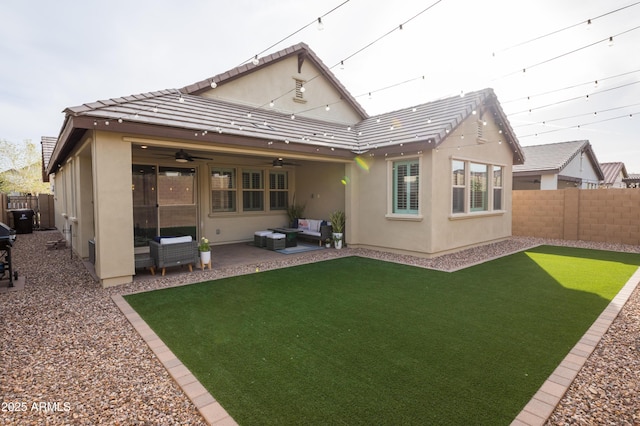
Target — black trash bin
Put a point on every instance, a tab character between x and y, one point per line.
23	221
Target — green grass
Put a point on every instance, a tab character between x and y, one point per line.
360	341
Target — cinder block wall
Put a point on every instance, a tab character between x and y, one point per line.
604	215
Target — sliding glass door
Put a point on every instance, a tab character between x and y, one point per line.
164	202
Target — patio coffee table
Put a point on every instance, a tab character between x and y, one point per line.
291	239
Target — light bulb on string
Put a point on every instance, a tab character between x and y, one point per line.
213	84
255	60
327	108
271	104
320	24
610	41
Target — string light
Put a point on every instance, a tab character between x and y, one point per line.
609	39
297	31
320	24
595	113
590	82
588	22
573	99
579	126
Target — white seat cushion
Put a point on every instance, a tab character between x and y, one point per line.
175	240
276	236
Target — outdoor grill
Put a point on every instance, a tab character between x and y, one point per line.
7	238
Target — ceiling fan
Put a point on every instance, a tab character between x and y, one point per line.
279	162
183	156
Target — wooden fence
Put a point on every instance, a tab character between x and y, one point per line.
42	206
603	215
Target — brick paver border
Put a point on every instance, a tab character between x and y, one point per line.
210	409
541	406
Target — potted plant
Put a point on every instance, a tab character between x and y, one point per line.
295	212
327	243
205	252
337	224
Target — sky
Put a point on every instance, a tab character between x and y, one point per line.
65	53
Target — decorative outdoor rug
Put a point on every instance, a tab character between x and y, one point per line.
300	248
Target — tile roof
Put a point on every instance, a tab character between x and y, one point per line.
197	117
427	122
611	171
48	144
554	157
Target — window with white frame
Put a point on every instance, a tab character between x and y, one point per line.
406	180
476	187
459	186
252	190
278	190
497	187
223	190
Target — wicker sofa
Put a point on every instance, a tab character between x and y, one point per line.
314	229
174	251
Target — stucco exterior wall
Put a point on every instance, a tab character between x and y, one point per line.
319	187
259	88
315	184
456	231
113	209
435	230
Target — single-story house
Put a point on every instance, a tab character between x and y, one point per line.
226	156
558	166
614	175
633	180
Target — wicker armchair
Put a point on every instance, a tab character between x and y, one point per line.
167	255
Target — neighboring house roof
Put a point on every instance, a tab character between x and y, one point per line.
632	180
611	172
185	115
554	157
48	144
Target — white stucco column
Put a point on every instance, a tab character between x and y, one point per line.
113	207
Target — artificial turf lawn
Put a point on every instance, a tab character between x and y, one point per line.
361	341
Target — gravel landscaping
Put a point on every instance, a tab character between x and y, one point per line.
69	356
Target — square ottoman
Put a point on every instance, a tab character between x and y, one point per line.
276	241
260	238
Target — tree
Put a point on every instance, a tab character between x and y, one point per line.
21	168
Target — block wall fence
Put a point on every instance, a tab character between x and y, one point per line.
603	215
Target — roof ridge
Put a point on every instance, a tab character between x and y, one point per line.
236	72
